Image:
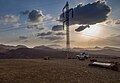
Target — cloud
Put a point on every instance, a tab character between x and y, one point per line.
29	27
57	28
90	14
82	28
38	27
36	16
45	33
50	33
9	19
52	38
17	25
48	17
60	34
23	37
111	41
55	45
117	21
59	41
114	40
25	12
112	21
109	22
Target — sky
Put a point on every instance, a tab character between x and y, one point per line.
39	22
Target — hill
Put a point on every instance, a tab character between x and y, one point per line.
20	51
30	53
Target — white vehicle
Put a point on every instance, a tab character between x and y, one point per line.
82	56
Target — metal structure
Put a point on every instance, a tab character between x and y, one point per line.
66	15
108	65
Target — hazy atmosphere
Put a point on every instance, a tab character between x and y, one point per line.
59	41
39	22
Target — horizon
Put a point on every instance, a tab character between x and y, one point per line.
94	47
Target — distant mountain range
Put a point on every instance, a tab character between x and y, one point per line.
5	48
21	51
30	53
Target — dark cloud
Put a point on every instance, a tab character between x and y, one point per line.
60	33
82	28
52	38
30	27
23	37
45	33
25	12
57	28
91	13
38	27
50	35
35	16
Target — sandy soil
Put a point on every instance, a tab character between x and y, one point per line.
54	71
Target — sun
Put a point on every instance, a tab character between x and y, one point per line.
94	30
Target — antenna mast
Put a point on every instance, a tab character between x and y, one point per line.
66	11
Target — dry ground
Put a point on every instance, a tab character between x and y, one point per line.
54	71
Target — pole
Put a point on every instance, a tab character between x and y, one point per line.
67	26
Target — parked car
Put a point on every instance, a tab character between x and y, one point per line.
83	56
